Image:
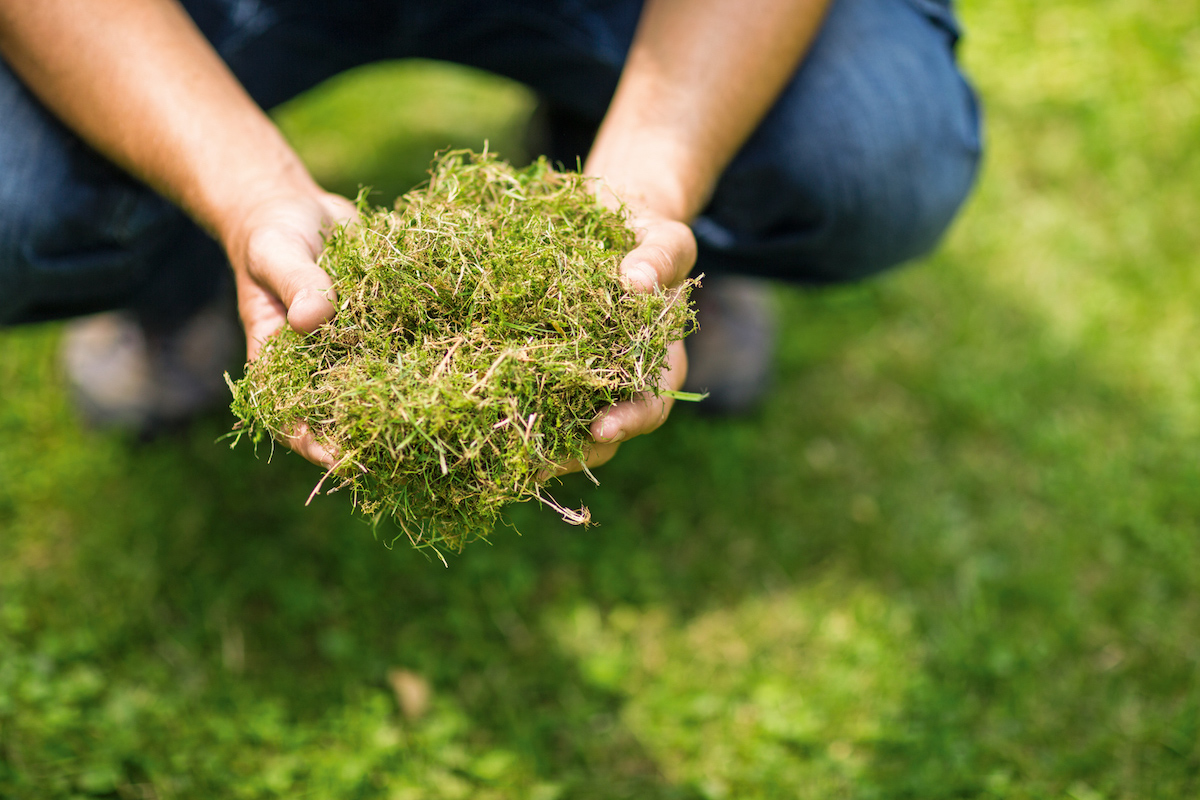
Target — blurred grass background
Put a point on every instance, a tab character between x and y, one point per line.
956	555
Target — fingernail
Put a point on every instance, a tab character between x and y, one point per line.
642	274
609	436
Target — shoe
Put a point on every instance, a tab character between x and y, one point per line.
732	349
123	376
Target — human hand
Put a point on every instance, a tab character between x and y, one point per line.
664	255
273	249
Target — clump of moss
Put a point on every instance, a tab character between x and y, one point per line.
480	327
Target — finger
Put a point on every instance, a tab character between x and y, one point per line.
340	210
623	421
601	454
597	455
286	265
301	441
262	314
665	254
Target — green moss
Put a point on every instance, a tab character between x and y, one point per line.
480	328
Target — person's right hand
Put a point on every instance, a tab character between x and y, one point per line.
273	248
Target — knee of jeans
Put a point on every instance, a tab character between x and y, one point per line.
76	247
98	223
880	200
840	217
843	196
894	206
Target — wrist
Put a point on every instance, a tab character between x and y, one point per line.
649	175
230	193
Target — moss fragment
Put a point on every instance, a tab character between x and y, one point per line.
481	326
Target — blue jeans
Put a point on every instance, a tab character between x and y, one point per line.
861	164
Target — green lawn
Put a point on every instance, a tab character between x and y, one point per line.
956	555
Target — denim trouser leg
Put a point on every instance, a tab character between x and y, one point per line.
78	235
860	165
864	160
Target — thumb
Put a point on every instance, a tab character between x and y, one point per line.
665	254
286	265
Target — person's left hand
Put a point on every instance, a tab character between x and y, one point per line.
664	255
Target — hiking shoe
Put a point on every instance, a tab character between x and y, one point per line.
123	376
731	351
